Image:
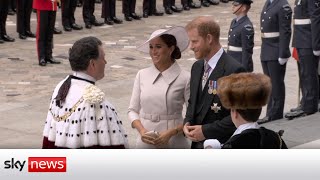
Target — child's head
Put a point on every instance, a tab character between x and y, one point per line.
245	93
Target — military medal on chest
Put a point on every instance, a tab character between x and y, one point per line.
212	87
215	108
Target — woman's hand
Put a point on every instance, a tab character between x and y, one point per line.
164	137
146	138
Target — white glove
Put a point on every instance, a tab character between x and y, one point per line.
282	61
316	53
211	144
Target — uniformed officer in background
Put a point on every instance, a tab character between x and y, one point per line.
24	10
276	34
3	18
306	39
46	17
109	12
241	34
88	16
170	7
68	8
193	5
12	7
150	8
129	10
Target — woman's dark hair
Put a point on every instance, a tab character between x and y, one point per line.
83	51
170	40
251	115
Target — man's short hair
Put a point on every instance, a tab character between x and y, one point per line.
205	26
83	51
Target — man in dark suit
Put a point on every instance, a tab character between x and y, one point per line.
24	9
241	34
206	118
88	16
68	7
3	18
276	34
306	39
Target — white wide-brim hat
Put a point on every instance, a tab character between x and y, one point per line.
178	32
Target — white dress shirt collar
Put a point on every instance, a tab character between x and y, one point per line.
214	59
241	128
84	76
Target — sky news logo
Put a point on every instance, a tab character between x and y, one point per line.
38	164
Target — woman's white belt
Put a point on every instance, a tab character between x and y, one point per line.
270	35
301	21
234	48
159	117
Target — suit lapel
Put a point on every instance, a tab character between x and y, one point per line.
197	81
235	24
274	2
265	5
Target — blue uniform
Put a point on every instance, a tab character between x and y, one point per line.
241	42
276	34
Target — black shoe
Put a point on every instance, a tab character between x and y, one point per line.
205	4
167	10
67	28
57	31
157	13
224	1
42	62
135	16
296	114
108	21
22	36
75	26
52	61
7	38
176	9
1	41
186	8
194	5
117	20
97	23
128	18
264	120
299	108
30	34
88	26
213	2
145	15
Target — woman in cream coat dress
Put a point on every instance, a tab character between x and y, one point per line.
160	91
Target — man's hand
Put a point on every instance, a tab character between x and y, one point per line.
148	139
164	138
196	133
190	133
